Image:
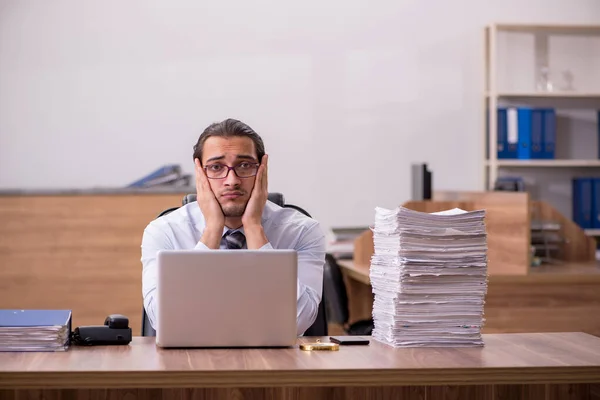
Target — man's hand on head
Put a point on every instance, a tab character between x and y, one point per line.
211	210
252	218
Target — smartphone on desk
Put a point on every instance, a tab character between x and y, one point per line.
349	340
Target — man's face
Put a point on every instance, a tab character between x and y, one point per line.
231	192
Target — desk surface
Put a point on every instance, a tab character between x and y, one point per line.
505	358
564	273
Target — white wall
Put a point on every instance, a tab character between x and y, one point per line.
346	94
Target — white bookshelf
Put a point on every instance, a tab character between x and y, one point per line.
514	56
546	163
542	95
552	28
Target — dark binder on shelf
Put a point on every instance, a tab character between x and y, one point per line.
583	202
506	140
537	131
596	203
530	128
502	133
549	134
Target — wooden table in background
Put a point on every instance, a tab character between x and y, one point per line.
509	366
78	251
552	298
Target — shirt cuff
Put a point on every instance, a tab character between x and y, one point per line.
201	246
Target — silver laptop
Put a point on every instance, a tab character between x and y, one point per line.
227	298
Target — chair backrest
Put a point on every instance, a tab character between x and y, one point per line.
147	329
318	328
274	197
335	289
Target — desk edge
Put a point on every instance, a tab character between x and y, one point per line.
315	378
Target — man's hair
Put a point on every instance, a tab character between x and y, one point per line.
229	128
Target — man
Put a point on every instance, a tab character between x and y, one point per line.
232	211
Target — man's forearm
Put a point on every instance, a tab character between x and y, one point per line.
308	308
212	238
255	236
150	306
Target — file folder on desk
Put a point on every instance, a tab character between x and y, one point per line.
35	330
167	174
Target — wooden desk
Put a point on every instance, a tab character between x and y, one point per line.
511	366
553	298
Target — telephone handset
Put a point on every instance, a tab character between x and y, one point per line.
115	331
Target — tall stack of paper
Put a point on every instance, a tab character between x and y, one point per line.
429	277
35	330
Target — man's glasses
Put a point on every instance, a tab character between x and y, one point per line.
242	170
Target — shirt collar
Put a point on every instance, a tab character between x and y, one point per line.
226	229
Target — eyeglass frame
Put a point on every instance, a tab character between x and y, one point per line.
229	169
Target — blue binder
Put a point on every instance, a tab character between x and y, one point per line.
530	127
524	119
35	330
31	318
596	204
169	171
502	138
583	202
549	134
537	131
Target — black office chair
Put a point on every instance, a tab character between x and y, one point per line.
337	300
318	328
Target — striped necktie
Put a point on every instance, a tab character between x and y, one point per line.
234	240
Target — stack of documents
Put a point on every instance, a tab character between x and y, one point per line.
429	277
35	330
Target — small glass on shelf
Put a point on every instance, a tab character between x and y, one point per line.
544	83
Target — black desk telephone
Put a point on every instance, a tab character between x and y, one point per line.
115	331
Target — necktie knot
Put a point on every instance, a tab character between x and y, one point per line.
235	240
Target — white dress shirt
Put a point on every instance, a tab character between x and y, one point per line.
285	228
